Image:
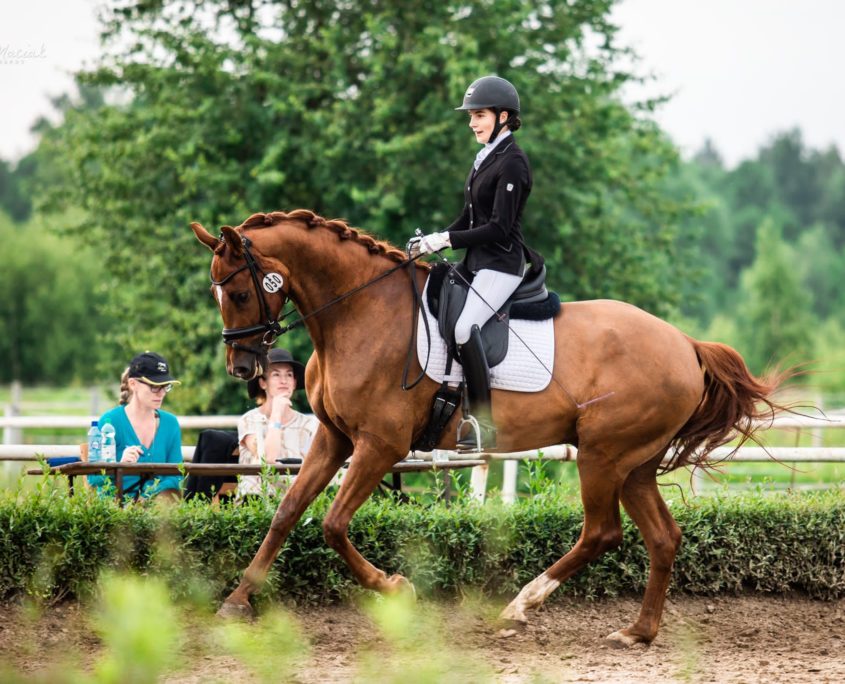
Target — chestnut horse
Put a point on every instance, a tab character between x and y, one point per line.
662	391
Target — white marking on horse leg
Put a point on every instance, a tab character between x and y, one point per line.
531	596
621	640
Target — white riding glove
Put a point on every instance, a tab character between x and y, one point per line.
434	243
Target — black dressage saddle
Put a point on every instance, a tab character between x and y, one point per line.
447	293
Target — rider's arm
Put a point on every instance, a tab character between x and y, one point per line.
462	222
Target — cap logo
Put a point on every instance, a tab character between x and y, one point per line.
273	282
162	367
469	92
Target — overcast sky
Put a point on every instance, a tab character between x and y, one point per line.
739	70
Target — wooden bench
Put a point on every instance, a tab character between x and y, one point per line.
150	470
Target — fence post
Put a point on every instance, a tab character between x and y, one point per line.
12	435
478	482
509	481
817	440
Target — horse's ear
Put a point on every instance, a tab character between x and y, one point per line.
233	239
204	236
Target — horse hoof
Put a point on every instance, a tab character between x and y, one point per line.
513	615
510	628
619	639
236	611
397	584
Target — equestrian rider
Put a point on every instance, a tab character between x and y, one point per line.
489	227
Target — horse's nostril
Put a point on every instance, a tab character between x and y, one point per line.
241	372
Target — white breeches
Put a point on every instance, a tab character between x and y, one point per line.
493	289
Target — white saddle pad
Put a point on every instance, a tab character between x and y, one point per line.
519	372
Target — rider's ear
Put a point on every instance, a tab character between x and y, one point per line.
204	236
233	240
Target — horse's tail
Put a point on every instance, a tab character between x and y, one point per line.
734	403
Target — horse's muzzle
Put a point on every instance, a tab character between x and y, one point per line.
246	365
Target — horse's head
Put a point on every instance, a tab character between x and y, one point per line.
250	289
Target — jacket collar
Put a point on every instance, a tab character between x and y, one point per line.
500	149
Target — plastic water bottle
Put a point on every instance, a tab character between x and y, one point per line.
95	442
108	450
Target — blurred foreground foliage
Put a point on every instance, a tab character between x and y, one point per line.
55	546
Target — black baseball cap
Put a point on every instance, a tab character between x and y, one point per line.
151	368
278	356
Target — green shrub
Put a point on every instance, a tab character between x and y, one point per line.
53	545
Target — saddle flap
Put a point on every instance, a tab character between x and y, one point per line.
446	295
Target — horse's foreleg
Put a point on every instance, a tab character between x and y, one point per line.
371	460
602	531
662	537
328	452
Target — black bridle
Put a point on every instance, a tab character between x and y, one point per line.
271	325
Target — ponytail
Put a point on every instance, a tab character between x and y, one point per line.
125	392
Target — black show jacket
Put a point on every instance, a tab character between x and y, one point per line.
490	224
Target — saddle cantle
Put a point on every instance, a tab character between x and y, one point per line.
446	294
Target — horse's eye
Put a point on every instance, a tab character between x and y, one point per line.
242	297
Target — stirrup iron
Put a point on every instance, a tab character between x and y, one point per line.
476	430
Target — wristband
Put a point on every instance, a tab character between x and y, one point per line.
276	424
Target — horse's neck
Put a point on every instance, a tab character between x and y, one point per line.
323	269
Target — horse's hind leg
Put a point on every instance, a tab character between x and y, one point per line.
371	460
602	531
662	537
327	453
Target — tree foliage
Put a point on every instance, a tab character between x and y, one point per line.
346	108
50	308
775	312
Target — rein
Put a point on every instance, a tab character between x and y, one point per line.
272	328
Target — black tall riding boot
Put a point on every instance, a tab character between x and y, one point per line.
477	374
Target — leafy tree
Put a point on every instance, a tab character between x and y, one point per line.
821	270
49	306
775	316
346	109
13	197
796	178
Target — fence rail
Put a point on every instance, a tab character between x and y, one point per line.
832	420
561	452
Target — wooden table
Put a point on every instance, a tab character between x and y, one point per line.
148	470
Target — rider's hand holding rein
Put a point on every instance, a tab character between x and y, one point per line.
428	244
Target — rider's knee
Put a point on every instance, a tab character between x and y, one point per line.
462	332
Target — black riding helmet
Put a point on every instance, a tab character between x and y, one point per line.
492	92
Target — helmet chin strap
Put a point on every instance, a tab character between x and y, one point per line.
497	128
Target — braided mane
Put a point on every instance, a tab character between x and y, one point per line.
344	231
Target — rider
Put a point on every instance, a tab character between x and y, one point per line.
489	227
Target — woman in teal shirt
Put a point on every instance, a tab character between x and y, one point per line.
144	433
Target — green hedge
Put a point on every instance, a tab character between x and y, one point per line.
53	545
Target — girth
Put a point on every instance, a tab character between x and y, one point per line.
447	293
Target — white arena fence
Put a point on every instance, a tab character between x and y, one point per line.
560	452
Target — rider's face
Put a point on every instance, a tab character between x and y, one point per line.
481	121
